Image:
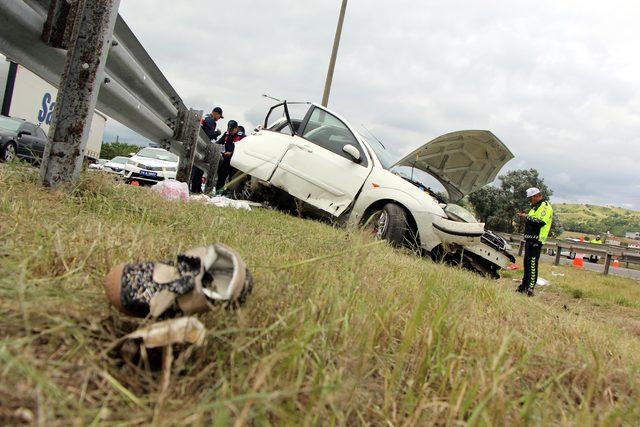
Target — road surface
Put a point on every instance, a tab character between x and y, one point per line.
599	268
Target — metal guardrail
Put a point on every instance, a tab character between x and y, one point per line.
134	92
607	252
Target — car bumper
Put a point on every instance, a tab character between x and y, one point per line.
147	176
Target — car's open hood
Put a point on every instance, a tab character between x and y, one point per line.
462	161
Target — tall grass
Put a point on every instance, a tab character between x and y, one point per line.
369	335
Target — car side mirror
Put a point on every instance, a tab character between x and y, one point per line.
352	152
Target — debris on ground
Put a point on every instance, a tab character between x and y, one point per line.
185	330
513	267
224	202
193	283
539	282
171	189
542	282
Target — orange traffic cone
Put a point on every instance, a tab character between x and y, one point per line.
578	262
616	263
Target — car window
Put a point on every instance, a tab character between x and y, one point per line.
28	127
7	123
329	132
120	159
158	154
40	134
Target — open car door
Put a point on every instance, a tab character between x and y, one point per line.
325	166
259	154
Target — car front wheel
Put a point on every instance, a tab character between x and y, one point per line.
241	188
389	223
8	153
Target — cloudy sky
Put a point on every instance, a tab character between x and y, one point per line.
557	82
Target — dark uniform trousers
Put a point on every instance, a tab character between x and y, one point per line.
532	251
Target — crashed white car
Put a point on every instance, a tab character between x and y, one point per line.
330	169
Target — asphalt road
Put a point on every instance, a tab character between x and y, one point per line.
598	268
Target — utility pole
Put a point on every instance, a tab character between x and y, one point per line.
334	55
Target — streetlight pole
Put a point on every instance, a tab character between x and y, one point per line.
334	55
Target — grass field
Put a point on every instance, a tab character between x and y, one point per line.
339	329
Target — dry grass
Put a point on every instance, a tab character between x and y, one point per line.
369	336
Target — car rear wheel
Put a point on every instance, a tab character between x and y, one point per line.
9	153
389	223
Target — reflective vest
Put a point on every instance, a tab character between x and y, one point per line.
596	242
539	219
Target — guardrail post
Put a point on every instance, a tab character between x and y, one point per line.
521	248
78	93
607	263
558	251
186	134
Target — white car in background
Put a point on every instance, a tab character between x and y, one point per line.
115	165
318	163
151	165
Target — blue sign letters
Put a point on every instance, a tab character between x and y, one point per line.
44	115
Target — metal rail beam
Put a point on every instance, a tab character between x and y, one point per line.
134	91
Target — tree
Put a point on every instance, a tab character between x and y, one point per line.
112	149
498	206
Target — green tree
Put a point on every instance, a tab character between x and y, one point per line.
498	206
113	149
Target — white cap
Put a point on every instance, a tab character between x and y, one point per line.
532	192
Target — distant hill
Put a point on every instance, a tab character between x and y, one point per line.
592	219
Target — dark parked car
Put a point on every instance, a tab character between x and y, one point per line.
20	139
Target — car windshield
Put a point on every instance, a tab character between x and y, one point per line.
155	153
385	157
119	159
7	123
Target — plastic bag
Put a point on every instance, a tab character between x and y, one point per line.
171	189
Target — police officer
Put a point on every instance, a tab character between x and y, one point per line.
227	142
596	241
212	157
536	230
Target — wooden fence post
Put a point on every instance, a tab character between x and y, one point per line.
607	263
557	260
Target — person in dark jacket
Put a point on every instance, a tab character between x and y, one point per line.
209	123
209	126
227	143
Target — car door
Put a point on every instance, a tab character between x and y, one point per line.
316	168
27	146
259	154
40	141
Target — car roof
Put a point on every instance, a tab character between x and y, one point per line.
17	119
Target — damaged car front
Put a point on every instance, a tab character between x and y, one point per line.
318	160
